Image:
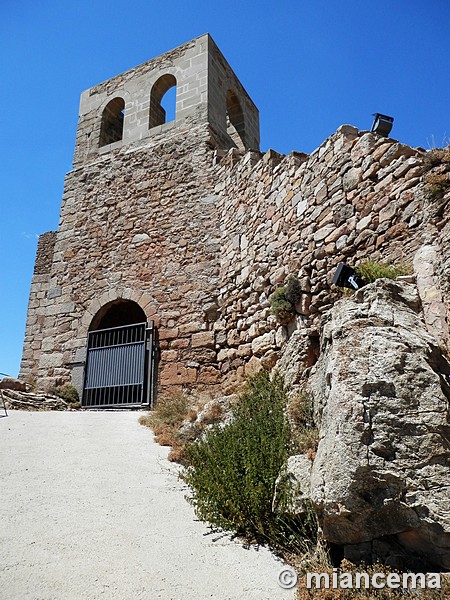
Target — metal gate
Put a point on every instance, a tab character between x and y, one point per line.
121	367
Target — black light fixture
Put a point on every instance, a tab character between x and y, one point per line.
346	277
382	124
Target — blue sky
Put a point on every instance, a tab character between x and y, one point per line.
310	66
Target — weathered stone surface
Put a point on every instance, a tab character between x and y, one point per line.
434	309
233	338
302	306
381	390
293	361
140	237
253	366
177	374
269	360
10	383
208	375
351	179
204	339
297	477
263	343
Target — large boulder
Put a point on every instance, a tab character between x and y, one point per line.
380	480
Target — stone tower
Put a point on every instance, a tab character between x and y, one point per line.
139	234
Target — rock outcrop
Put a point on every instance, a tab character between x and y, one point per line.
380	480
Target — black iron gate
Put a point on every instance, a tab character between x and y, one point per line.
121	367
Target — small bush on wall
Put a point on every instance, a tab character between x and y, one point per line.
438	180
293	291
437	184
438	156
280	306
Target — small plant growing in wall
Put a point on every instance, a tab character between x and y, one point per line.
280	306
283	300
438	156
437	184
438	180
371	270
293	290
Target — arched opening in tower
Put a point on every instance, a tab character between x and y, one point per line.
118	313
163	101
235	120
121	358
112	122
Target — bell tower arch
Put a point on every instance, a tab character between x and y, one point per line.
127	109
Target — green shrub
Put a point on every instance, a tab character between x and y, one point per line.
69	393
232	470
293	289
371	270
280	306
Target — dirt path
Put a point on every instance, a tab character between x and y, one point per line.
91	509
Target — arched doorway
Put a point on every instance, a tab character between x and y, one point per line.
118	313
122	355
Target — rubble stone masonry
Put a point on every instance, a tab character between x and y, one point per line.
199	232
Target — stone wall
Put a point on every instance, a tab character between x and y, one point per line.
142	226
357	196
44	253
38	292
139	220
203	242
199	235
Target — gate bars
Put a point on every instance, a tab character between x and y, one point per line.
121	367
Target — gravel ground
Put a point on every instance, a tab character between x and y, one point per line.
91	509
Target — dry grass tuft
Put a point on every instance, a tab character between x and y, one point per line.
438	156
304	433
192	415
169	414
364	594
166	418
438	180
213	414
